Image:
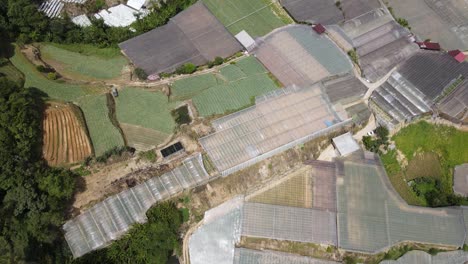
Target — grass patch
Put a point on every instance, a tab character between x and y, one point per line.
432	152
185	214
149	155
104	135
146	109
52	89
254	16
8	70
83	65
234	90
88	50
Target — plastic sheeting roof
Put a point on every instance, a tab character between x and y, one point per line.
245	39
111	218
250	256
345	144
136	4
118	16
82	21
416	256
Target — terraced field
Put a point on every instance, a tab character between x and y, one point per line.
83	66
52	89
64	139
233	88
103	133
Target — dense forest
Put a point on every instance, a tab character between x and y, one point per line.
20	20
33	196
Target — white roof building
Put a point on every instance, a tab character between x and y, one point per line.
246	40
119	16
82	21
136	4
345	144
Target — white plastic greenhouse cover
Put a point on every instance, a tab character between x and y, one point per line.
111	218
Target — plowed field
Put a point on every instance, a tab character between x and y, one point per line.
64	139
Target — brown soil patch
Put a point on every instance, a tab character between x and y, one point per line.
64	139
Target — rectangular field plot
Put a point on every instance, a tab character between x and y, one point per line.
254	16
142	138
232	89
146	109
104	135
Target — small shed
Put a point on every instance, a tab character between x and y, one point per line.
345	144
428	45
457	55
174	148
114	92
246	40
319	28
460	180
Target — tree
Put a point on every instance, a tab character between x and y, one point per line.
141	74
218	61
33	196
187	68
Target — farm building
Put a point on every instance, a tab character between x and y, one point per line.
380	42
454	106
419	83
298	55
120	15
460	180
246	40
356	8
448	20
108	220
345	144
82	21
258	132
315	11
181	41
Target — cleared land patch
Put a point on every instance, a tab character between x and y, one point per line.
236	87
254	16
103	133
145	112
52	89
64	138
85	66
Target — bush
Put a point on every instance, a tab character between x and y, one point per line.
218	61
181	115
353	55
44	69
3	61
187	68
349	260
52	76
141	74
149	155
403	22
117	151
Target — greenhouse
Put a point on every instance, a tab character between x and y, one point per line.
250	256
279	120
344	89
416	256
111	218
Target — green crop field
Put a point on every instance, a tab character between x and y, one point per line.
146	109
234	88
432	151
93	65
53	89
257	17
104	135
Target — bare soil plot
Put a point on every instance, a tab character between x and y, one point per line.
64	140
142	138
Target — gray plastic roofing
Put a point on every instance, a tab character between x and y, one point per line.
380	42
444	21
372	217
344	89
314	11
355	8
416	256
194	35
279	120
455	105
108	220
250	256
296	54
460	180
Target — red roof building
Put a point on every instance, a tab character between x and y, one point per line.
319	28
428	45
457	54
